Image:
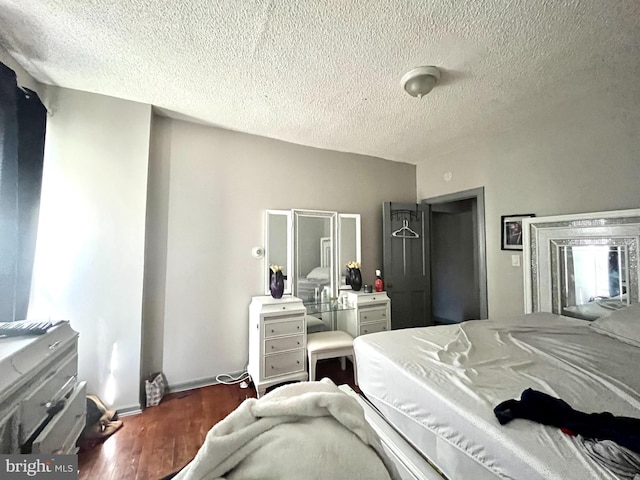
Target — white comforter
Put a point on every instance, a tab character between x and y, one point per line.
308	430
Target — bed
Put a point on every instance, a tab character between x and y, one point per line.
447	380
438	386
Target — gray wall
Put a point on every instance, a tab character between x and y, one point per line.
219	185
562	161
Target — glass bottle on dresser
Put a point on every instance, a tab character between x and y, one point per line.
379	284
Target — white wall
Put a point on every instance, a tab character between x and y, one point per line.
90	247
562	161
220	184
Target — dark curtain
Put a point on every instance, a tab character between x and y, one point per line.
22	131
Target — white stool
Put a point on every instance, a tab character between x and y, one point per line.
330	344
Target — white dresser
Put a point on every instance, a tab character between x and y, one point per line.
42	405
370	313
277	341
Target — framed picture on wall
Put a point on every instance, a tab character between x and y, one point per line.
511	227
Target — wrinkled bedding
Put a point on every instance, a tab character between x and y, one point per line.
446	380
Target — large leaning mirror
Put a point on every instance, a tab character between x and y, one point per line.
278	249
582	265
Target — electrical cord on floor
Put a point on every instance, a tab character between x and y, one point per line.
243	379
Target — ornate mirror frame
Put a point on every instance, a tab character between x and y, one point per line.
546	237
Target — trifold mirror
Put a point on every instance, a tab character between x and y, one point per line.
582	265
313	247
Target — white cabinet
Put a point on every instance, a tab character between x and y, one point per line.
277	341
369	313
42	405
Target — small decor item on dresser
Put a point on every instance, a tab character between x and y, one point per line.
379	283
354	276
276	285
368	289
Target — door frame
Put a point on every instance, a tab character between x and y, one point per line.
478	195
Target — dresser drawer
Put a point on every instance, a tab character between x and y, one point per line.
276	345
58	382
45	348
373	327
62	432
9	432
373	314
275	328
282	363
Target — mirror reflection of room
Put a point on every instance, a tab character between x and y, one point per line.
594	279
314	258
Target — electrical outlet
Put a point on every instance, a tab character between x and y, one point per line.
515	260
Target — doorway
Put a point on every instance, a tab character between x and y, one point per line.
458	263
445	280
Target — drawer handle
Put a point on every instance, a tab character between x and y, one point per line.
298	343
272	330
384	314
54	345
365	317
366	331
298	327
272	347
298	362
272	367
57	397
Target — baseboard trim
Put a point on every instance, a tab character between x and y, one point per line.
128	411
201	382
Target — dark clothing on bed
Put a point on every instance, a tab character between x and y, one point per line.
542	408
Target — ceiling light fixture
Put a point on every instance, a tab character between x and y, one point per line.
420	81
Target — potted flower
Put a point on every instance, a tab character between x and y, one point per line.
276	285
354	277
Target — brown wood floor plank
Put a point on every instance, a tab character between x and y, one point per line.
164	438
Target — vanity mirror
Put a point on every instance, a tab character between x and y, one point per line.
583	265
349	245
313	247
314	255
278	249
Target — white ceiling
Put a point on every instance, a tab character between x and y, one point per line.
327	74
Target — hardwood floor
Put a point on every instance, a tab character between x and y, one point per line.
164	438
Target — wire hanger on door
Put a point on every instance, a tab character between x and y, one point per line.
405	231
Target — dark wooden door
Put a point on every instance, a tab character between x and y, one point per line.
406	263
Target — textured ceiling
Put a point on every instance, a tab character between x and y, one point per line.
326	74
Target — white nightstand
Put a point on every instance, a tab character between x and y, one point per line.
277	341
371	313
